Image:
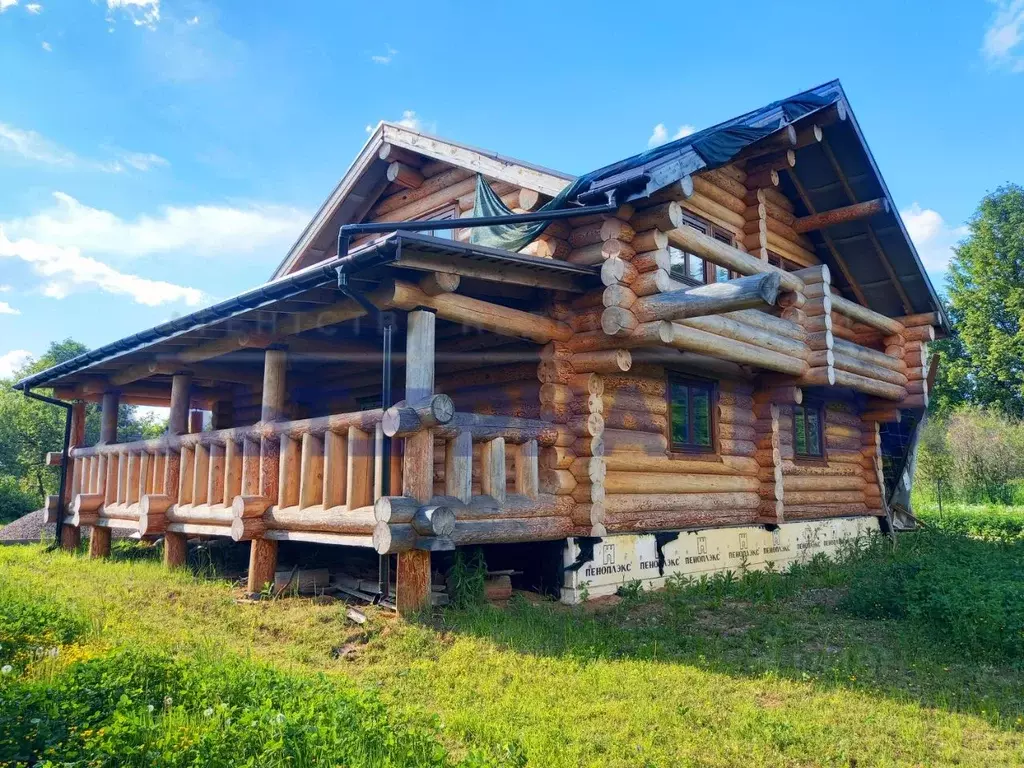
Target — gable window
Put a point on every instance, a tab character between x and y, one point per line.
808	431
691	425
690	268
444	215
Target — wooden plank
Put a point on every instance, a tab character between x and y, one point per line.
527	470
311	485
359	492
335	469
458	467
201	474
232	471
492	469
215	475
289	468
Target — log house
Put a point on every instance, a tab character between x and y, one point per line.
723	345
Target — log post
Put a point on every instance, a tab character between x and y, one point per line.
413	577
177	419
108	417
263	552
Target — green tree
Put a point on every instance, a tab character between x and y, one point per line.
984	359
29	428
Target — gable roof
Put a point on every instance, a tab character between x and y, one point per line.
366	179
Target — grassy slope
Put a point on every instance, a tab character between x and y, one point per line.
668	680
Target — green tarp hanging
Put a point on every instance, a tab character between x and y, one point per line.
510	237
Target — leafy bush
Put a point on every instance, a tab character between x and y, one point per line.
985	521
15	500
963	591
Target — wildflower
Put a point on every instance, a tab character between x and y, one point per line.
208	711
6	669
168	701
150	707
35	721
280	717
52	653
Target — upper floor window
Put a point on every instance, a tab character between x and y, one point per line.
782	263
692	269
444	214
691	403
808	431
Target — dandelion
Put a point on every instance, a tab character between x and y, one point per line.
208	711
280	717
168	701
6	669
151	708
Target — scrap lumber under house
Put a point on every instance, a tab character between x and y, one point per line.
708	356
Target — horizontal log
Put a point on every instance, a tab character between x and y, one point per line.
515	431
867	316
696	340
869	370
847	213
869	386
405	420
725	255
617	504
658	482
815	511
742	293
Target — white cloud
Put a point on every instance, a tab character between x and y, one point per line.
66	270
660	134
385	58
140	161
7	309
36	148
47	47
5	4
143	13
193	21
933	236
14	360
33	8
203	229
5	289
1001	44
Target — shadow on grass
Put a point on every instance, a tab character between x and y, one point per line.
939	621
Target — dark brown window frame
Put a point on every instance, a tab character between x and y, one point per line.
819	407
710	270
782	262
674	377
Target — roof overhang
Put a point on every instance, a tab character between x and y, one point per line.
269	308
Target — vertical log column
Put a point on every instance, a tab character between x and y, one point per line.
70	536
413	578
176	544
99	537
263	552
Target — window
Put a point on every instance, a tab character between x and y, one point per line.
691	269
691	426
808	437
782	263
444	214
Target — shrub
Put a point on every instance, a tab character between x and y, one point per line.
965	592
15	500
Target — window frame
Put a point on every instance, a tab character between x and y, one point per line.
690	449
709	229
819	408
439	213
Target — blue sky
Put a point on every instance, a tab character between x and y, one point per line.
157	155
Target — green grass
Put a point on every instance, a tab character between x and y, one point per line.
817	667
986	521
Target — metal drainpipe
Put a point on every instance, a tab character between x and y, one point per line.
64	463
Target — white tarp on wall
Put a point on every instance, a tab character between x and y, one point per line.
620	559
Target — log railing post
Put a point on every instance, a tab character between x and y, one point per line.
414	578
99	537
458	467
108	417
175	544
263	552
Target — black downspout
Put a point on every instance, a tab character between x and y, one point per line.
384	563
61	511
